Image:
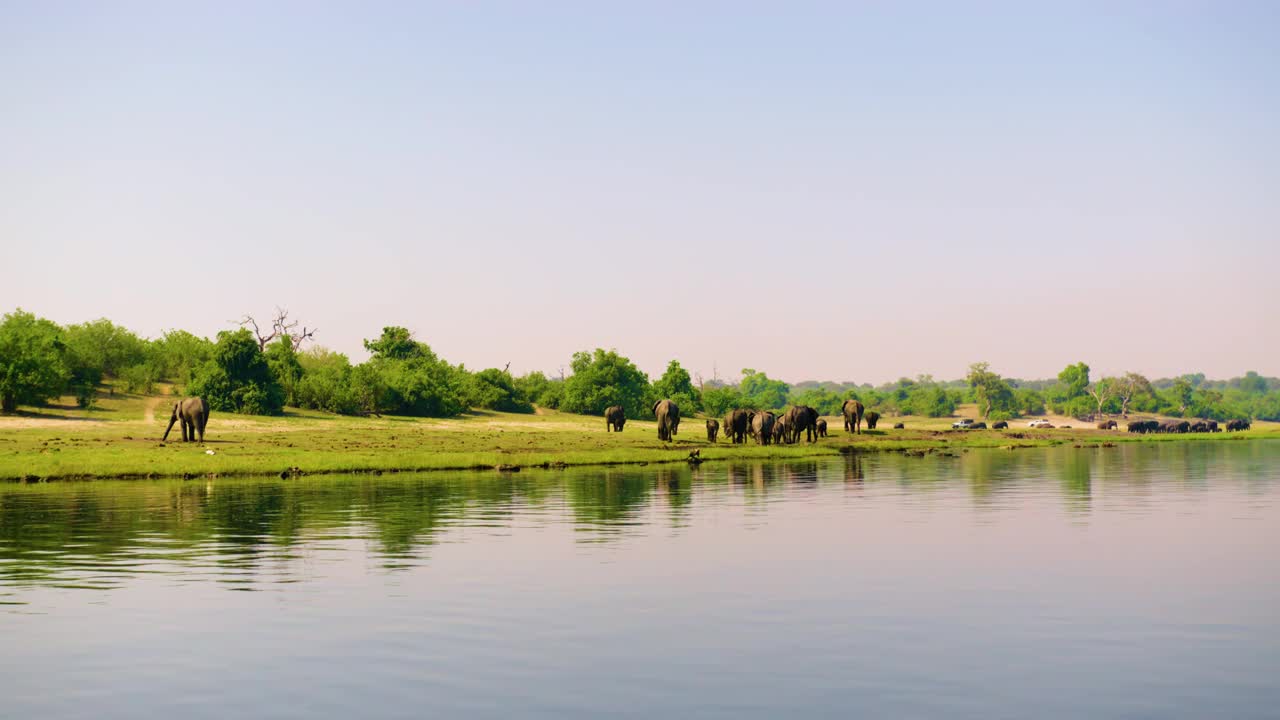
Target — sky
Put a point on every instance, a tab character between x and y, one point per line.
844	191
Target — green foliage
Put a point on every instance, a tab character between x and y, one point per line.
718	401
1028	402
541	391
282	358
494	389
238	378
761	392
676	385
177	354
404	377
1074	378
139	379
603	378
33	365
826	402
107	347
929	401
990	391
396	343
326	383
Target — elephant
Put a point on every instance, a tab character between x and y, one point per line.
194	415
802	418
736	424
999	425
713	428
1108	425
667	414
852	410
1174	426
762	426
978	426
822	427
872	418
899	426
1199	426
779	431
1213	426
614	418
1239	424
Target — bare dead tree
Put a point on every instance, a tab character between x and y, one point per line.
281	326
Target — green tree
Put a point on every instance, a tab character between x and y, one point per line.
676	385
1074	378
718	401
282	358
177	354
32	360
1029	401
541	390
326	382
396	343
107	347
603	378
238	378
990	390
405	377
495	389
1131	386
759	391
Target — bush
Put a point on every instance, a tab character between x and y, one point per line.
604	378
238	379
33	360
494	389
541	391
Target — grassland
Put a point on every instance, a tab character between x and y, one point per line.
120	438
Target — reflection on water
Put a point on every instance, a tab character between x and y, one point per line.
882	577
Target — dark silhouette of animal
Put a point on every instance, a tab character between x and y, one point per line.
1173	426
1199	426
872	417
779	431
614	418
1144	426
713	428
736	424
667	414
193	413
822	428
978	426
1239	424
762	426
899	426
999	425
852	411
1108	425
1213	426
803	419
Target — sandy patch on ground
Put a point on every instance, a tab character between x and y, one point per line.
26	423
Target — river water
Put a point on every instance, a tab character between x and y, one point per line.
1127	582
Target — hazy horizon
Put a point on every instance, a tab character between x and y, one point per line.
821	193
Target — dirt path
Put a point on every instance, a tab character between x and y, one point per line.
149	415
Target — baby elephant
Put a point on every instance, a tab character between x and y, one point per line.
822	428
713	428
899	426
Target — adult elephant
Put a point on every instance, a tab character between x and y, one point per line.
1000	425
852	411
713	429
1108	425
193	413
736	424
803	419
614	418
667	414
872	417
762	426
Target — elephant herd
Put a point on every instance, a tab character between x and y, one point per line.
763	426
1183	426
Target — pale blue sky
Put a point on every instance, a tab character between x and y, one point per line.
821	191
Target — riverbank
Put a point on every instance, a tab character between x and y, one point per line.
121	439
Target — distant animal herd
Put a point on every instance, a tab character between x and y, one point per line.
766	427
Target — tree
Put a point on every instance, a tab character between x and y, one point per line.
541	390
760	392
676	385
495	389
282	357
1075	378
716	401
281	327
238	378
396	343
990	390
32	360
603	378
177	354
1182	392
1103	391
1129	387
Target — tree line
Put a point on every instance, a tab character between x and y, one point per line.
254	372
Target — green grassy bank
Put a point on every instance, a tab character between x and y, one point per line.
121	439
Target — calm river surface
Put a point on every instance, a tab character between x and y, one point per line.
1137	581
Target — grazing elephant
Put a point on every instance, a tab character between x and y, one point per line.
193	413
999	425
614	418
736	424
802	418
872	418
1213	426
822	428
1108	425
978	426
762	426
713	428
667	414
899	426
852	410
1240	424
1199	426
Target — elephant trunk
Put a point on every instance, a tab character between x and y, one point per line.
172	419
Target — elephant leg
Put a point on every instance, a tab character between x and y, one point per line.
186	428
203	419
